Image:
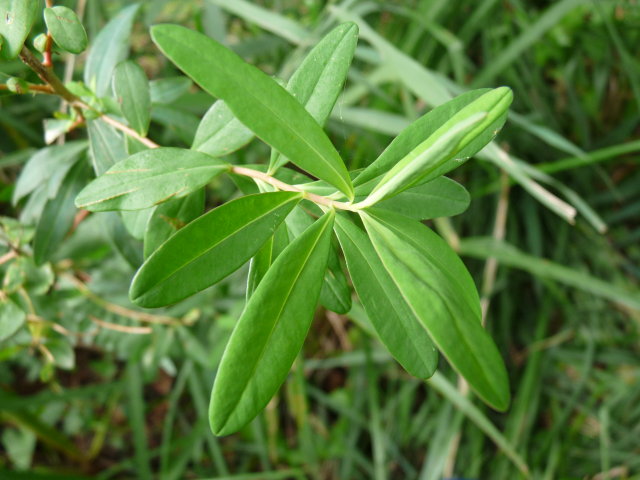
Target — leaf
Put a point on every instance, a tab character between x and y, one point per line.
168	90
220	132
422	161
16	19
58	215
261	262
271	331
135	221
394	321
440	292
256	100
209	248
319	79
11	318
106	145
109	48
123	242
148	178
169	217
441	197
66	29
131	88
420	130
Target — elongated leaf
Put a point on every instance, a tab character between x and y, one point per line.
169	217
148	178
16	19
66	28
271	331
209	248
394	321
256	100
106	145
131	88
440	292
220	132
441	197
109	48
262	261
318	80
58	214
421	162
12	318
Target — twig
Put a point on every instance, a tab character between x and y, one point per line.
8	256
121	328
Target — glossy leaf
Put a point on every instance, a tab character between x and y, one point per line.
12	317
58	215
441	197
148	178
440	292
271	331
256	100
66	29
397	326
220	132
319	79
109	48
131	88
422	161
169	217
419	131
209	248
16	19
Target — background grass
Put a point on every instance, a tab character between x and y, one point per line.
551	237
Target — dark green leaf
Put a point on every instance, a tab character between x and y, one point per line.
16	19
148	178
131	88
319	79
220	132
440	292
265	257
394	321
109	48
66	28
271	331
209	248
256	100
58	215
11	318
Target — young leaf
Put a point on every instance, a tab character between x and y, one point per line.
58	214
131	88
209	248
394	321
169	217
422	161
256	100
441	197
148	178
109	48
16	19
422	129
220	132
271	331
439	291
318	80
66	29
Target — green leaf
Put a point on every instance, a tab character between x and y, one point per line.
209	248
220	132
148	178
11	318
319	79
422	161
129	247
131	88
168	90
58	215
66	29
16	19
441	197
109	48
440	292
256	100
397	326
422	129
271	331
106	145
261	262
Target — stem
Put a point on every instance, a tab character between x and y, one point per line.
47	75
